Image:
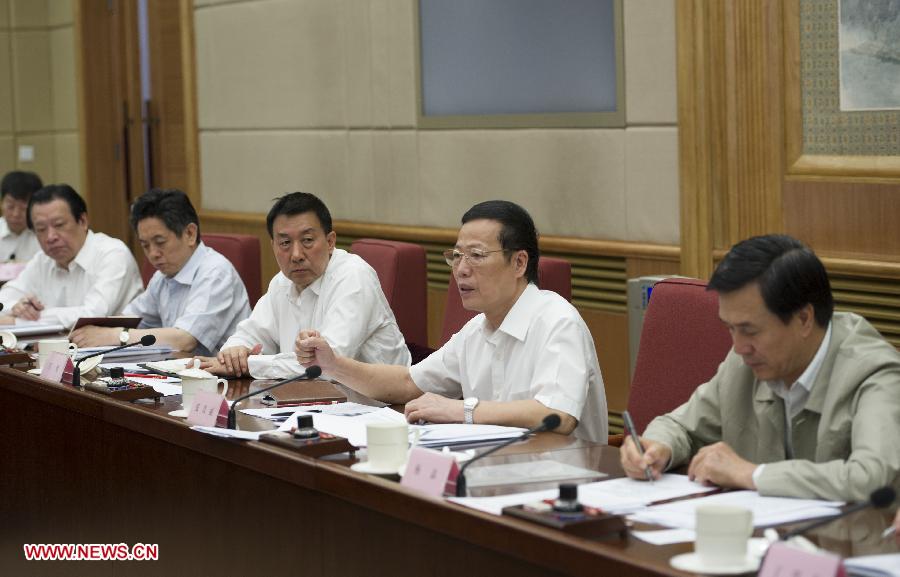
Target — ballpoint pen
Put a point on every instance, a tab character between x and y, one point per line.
629	426
888	532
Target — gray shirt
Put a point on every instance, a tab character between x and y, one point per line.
206	299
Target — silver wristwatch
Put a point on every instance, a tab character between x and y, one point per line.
469	410
123	337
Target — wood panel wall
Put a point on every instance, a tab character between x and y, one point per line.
743	167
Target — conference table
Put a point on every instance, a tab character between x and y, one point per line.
79	467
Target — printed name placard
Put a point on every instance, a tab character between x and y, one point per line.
782	559
431	472
209	410
56	366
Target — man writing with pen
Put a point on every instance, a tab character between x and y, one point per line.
805	405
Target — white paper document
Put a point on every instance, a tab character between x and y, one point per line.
614	496
230	433
767	511
624	494
666	536
874	565
351	428
495	505
281	414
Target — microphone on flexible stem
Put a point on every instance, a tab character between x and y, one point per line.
879	499
549	423
145	341
312	372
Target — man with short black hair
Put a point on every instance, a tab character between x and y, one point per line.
319	288
528	353
17	242
79	273
805	405
194	300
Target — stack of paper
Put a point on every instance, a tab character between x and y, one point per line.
133	354
444	435
767	511
26	328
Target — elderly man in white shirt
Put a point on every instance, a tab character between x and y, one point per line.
194	300
17	243
320	288
79	273
528	354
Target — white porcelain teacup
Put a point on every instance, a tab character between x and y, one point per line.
195	380
387	445
47	346
722	534
8	340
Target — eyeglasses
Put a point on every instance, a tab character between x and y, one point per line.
474	257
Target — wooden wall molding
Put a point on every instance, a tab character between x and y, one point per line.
422	234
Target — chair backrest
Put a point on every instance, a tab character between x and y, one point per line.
553	274
682	344
243	252
401	269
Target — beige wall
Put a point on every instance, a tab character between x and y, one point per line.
38	89
319	95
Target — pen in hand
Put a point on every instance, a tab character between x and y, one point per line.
629	428
888	532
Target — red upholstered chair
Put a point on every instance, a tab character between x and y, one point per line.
243	252
682	344
553	274
401	270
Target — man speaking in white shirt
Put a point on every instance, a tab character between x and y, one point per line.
79	273
319	288
528	354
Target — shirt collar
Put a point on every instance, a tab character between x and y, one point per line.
518	319
807	379
187	273
315	286
83	256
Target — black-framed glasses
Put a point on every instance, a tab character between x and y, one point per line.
474	257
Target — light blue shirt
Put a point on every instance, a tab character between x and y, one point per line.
206	298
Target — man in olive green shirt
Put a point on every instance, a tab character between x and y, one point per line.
806	404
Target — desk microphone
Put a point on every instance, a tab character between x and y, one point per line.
549	423
146	341
312	372
879	499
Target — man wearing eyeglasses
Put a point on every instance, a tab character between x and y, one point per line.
528	354
319	288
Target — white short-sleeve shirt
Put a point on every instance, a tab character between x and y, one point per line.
346	305
542	350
